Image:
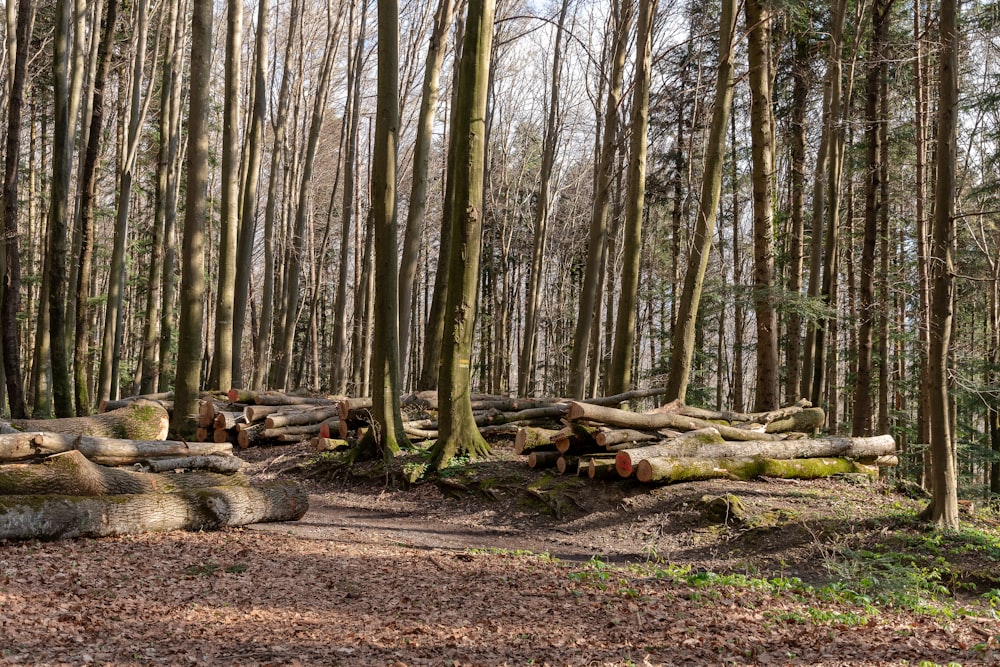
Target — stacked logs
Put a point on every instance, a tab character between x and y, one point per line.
56	480
680	443
247	419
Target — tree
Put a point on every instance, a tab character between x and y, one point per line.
943	508
622	11
388	422
620	374
190	345
12	271
221	376
711	191
457	430
758	20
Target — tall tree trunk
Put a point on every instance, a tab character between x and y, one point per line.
758	20
421	158
800	99
264	327
248	214
113	328
921	232
189	344
458	433
834	162
543	202
597	241
352	114
862	418
943	508
221	376
388	433
620	375
711	192
62	390
12	266
88	202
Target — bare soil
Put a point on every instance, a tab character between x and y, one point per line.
497	564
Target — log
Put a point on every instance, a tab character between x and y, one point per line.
277	398
226	419
627	459
672	469
620	436
257	413
330	444
538	459
655	421
106	451
164	398
206	413
229	435
59	517
350	407
601	467
250	436
707	448
733	417
805	420
139	420
530	438
302	417
70	473
564	463
220	464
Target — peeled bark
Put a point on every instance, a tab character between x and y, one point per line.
60	517
668	469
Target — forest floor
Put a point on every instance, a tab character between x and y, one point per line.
498	564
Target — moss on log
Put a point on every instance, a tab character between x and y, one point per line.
670	469
140	420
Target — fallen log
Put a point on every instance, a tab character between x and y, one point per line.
277	398
654	421
164	398
530	438
227	419
539	459
70	473
733	418
220	464
564	463
608	438
139	420
302	417
805	420
106	451
257	413
671	469
211	508
330	444
712	447
601	467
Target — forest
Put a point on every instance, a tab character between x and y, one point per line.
748	203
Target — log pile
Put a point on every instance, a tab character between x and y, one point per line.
677	443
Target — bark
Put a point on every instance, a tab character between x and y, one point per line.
71	473
142	420
11	299
61	517
221	376
277	398
100	449
620	374
530	438
189	348
543	459
758	19
656	421
248	218
855	448
943	508
313	416
711	190
458	432
597	240
421	158
88	203
62	142
543	197
219	464
686	470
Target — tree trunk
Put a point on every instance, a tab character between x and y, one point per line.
142	420
620	374
684	332
61	517
687	470
597	240
943	509
627	459
190	346
758	19
458	433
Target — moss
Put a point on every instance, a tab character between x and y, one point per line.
725	509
